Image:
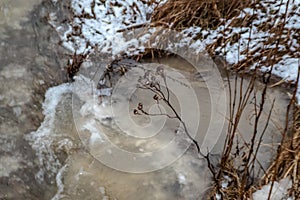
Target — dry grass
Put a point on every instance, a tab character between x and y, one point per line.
74	64
210	14
287	162
243	182
205	13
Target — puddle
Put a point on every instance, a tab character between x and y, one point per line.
95	168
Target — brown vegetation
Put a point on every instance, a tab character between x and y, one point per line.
74	64
206	13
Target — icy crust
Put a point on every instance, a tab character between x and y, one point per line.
42	139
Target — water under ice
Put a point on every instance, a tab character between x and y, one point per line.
85	174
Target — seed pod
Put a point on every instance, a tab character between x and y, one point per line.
140	106
136	112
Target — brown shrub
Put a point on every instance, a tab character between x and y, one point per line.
204	13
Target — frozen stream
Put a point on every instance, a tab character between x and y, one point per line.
71	150
112	154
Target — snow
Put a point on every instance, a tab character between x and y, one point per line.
225	182
60	185
101	27
40	140
181	178
287	66
101	30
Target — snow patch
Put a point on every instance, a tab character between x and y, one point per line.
106	21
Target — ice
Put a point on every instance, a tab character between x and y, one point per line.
41	139
218	197
279	190
59	182
95	135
